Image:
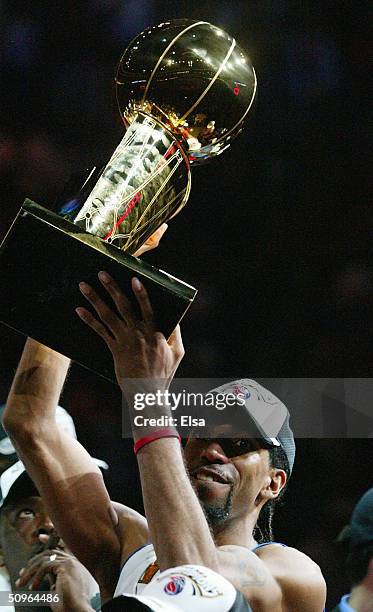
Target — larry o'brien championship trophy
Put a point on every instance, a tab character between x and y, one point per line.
184	89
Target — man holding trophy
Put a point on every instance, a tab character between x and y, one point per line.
184	89
188	551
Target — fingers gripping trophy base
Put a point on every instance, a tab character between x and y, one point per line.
183	588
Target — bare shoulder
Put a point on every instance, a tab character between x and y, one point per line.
274	577
299	577
132	529
284	560
243	568
130	518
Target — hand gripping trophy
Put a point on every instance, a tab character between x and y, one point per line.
184	89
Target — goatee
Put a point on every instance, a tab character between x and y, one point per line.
218	513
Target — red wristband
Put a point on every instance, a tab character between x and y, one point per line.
160	433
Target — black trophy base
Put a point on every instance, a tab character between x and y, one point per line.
42	260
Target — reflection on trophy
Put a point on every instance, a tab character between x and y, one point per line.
184	89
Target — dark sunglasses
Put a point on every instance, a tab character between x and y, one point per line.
233	447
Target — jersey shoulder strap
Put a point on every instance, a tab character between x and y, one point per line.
267	544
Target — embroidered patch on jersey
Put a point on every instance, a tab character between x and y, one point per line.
149	573
175	585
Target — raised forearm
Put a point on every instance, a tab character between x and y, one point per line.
36	388
177	524
63	472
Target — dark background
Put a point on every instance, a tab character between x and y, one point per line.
277	232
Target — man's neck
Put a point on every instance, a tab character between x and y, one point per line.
237	532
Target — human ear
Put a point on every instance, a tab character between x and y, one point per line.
273	485
278	481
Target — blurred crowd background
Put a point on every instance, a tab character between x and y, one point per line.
277	233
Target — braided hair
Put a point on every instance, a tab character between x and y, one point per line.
263	530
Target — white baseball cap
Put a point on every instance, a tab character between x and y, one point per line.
268	417
183	588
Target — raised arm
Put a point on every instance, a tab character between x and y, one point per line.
177	523
101	533
66	476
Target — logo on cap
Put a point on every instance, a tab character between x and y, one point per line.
238	390
175	585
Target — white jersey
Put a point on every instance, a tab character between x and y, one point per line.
139	569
